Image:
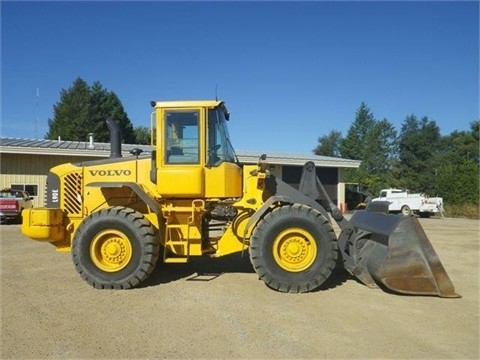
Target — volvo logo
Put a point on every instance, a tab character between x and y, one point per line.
110	172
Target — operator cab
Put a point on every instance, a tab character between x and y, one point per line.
194	156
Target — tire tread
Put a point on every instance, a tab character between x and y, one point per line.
145	234
265	269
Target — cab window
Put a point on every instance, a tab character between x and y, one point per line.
219	147
182	145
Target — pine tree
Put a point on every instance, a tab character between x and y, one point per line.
353	146
419	140
83	109
71	113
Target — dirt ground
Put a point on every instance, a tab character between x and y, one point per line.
219	309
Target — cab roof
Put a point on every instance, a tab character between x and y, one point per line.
186	103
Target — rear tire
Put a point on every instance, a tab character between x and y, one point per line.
115	248
294	249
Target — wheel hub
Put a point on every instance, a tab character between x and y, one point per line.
294	249
111	250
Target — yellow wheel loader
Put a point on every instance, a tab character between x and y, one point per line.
191	197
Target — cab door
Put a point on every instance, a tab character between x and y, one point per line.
180	163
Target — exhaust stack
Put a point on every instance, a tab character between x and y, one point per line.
91	145
115	138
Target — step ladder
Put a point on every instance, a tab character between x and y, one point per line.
170	231
174	236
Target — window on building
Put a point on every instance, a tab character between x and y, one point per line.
31	189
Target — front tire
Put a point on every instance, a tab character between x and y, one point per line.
115	248
18	219
294	249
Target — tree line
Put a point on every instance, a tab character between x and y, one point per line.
417	157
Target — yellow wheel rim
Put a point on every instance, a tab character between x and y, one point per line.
111	250
294	249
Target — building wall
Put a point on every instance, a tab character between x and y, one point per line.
30	171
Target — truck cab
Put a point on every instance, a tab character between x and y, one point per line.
12	202
392	193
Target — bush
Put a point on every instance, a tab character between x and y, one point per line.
468	211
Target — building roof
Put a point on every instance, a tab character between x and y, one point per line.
83	148
280	158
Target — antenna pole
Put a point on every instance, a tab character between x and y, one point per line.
36	117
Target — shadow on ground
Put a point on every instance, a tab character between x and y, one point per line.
200	269
209	269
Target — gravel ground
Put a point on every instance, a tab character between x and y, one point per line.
219	309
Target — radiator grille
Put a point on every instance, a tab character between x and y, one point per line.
72	190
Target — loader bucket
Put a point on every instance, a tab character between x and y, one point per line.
393	252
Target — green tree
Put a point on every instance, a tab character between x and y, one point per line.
329	145
71	113
83	109
457	169
380	147
375	144
142	135
380	155
419	140
353	146
461	146
458	183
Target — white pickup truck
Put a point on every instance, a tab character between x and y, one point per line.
408	204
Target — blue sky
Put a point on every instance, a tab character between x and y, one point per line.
288	71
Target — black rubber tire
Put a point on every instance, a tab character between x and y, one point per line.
18	219
137	231
279	221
